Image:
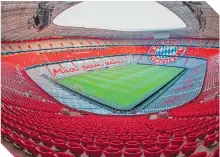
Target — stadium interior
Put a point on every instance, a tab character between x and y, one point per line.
71	91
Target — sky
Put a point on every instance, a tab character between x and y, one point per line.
120	15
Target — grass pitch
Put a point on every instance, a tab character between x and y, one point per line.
122	87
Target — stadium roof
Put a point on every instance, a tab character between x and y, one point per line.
120	15
200	19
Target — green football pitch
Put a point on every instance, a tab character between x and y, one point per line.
121	87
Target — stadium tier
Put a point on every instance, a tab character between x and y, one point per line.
90	92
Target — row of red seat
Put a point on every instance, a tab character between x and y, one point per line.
48	127
33	58
115	148
207	108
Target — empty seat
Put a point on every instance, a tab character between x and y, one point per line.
30	146
216	152
132	152
112	152
153	152
189	148
132	144
200	154
172	151
16	139
163	143
210	140
45	151
110	138
62	154
164	136
86	141
93	151
116	144
148	144
75	148
192	137
101	143
139	138
34	136
46	140
125	138
60	145
202	134
6	133
178	141
72	138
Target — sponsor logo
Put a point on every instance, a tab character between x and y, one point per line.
64	70
162	54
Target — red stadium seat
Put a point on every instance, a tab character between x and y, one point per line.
62	154
75	148
189	148
132	144
210	140
45	151
60	145
86	141
30	146
34	136
125	138
132	152
73	138
139	138
163	143
216	152
202	134
148	144
177	141
93	151
172	150
153	152
192	137
101	143
112	152
164	136
46	140
16	139
117	144
200	154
